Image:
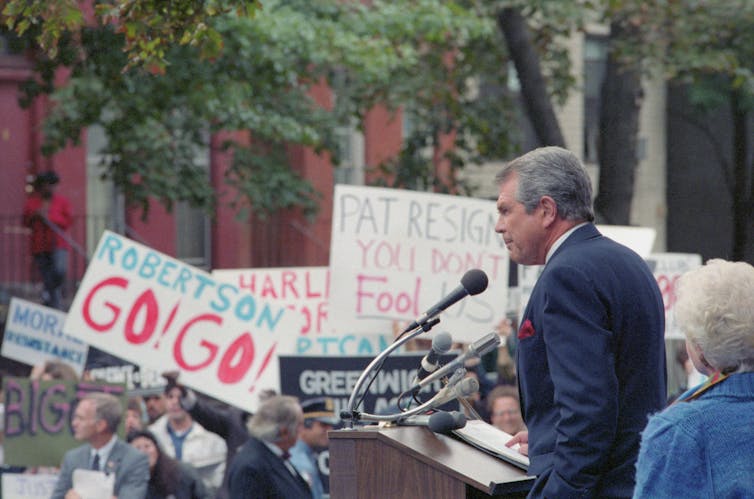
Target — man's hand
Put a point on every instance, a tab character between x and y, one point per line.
522	439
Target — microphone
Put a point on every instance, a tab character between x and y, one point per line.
438	422
462	389
478	348
440	344
473	282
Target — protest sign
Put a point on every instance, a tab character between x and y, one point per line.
38	418
156	311
34	334
28	486
335	377
667	268
305	290
395	253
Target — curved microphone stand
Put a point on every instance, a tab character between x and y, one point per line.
373	366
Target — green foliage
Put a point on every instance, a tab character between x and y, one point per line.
150	27
439	61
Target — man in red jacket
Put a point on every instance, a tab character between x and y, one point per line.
48	215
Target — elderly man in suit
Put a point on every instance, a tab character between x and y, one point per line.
261	468
96	421
591	353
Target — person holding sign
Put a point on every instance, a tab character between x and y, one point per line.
701	445
591	352
96	421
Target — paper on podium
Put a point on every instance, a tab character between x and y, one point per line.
492	440
90	484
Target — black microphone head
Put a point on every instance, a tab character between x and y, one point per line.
474	281
442	342
441	422
459	419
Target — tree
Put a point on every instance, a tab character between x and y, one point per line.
150	27
156	124
709	46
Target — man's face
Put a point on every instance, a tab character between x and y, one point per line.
506	415
523	233
173	405
287	439
133	420
85	423
155	406
316	435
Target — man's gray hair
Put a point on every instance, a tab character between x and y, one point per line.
555	172
715	309
107	407
276	411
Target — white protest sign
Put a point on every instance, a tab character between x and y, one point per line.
28	486
156	311
305	290
395	253
34	335
667	268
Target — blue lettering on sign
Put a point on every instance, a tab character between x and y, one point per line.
151	266
44	347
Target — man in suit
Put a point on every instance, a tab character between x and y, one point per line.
591	353
96	421
261	468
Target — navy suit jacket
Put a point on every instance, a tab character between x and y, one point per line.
130	466
591	365
256	472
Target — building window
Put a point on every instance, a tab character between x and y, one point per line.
595	60
350	143
193	227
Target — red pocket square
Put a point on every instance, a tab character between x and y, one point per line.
526	330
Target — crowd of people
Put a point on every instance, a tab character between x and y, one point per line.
580	382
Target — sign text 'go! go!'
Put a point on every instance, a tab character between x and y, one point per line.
154	310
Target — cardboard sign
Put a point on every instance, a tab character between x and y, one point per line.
305	290
38	418
34	334
667	268
156	311
335	377
395	253
28	486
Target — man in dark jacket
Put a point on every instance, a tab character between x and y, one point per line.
261	468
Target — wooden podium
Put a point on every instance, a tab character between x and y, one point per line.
410	462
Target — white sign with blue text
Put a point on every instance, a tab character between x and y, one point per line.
156	311
34	335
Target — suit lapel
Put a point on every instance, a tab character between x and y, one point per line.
281	468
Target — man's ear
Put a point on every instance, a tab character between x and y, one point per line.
549	210
101	425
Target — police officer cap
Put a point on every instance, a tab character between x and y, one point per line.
320	409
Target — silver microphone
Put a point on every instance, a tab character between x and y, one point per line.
478	348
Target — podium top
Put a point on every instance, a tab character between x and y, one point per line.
447	454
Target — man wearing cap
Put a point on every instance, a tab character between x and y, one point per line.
319	418
48	215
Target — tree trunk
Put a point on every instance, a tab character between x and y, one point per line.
619	128
743	203
533	86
